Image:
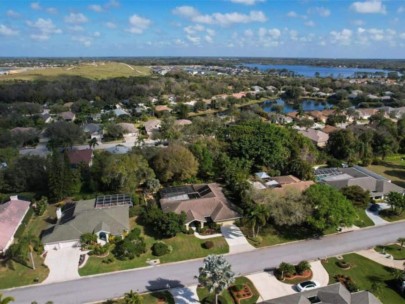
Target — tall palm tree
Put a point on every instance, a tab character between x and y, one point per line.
258	217
216	274
6	300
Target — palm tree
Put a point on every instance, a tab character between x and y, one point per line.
377	287
93	142
6	300
258	217
216	274
402	242
132	297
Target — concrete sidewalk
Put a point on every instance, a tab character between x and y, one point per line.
382	259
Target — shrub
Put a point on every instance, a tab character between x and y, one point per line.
161	248
108	261
208	244
134	211
286	269
40	206
134	234
99	250
238	287
302	267
87	239
128	248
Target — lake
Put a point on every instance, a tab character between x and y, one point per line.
309	71
307	105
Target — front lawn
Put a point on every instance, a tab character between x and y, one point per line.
364	273
362	219
226	295
159	297
395	250
268	237
389	215
185	247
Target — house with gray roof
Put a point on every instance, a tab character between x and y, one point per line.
77	218
200	203
377	185
332	294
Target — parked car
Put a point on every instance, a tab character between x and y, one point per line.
307	285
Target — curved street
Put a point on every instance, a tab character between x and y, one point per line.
95	288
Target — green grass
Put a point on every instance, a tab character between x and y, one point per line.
394	249
149	298
203	292
362	219
100	70
393	168
185	247
364	272
268	236
390	216
13	274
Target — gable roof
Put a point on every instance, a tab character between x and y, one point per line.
82	217
198	202
128	127
77	157
315	135
11	215
67	115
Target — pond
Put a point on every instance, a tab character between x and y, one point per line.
307	105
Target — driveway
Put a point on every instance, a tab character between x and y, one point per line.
186	295
270	288
235	239
63	265
377	220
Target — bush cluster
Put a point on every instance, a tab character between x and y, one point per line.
208	244
161	248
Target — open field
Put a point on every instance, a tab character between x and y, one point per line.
393	168
364	273
99	70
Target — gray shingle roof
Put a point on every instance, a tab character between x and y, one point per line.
81	217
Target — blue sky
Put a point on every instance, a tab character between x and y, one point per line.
271	28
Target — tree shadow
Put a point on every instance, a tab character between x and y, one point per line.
161	284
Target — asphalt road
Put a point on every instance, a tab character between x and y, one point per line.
91	289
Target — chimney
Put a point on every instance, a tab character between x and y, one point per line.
58	213
14	198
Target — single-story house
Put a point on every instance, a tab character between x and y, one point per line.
335	293
120	112
129	129
316	136
366	113
12	214
280	183
330	129
182	122
67	116
339	178
162	108
104	216
152	126
77	157
46	117
93	130
200	203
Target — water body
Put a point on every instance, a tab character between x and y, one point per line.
4	70
307	105
309	71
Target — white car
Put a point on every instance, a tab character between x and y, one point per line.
307	285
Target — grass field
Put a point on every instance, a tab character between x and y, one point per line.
99	70
362	219
364	273
395	250
393	168
185	247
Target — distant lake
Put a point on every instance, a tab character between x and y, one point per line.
307	105
309	71
4	69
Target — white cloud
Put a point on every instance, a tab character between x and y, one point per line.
52	10
402	36
192	29
193	39
96	34
36	6
321	11
209	39
138	24
13	14
247	2
358	22
293	35
343	37
223	19
401	9
7	31
369	7
96	8
292	14
248	33
44	27
75	28
76	18
309	23
84	40
111	25
112	4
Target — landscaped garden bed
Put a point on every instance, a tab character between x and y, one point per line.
294	274
397	252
